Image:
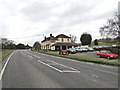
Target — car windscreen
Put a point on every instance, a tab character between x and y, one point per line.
108	52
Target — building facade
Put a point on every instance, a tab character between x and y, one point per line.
60	42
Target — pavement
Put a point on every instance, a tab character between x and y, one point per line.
27	69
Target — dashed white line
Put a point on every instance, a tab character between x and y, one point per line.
30	56
50	66
54	63
94	76
63	65
108	66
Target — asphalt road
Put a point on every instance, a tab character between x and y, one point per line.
27	69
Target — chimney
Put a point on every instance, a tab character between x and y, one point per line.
45	37
50	35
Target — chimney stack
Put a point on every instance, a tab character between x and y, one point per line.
45	37
50	35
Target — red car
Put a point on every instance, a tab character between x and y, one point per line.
63	52
108	54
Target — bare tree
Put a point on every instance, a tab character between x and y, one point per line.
112	28
73	38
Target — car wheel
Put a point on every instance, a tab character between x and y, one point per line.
99	56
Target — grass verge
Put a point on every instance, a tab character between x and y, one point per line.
80	58
4	54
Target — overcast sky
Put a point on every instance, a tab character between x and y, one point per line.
25	21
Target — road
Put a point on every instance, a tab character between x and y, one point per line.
27	69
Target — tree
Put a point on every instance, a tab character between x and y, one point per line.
27	46
7	44
20	46
112	28
95	42
73	37
86	39
37	46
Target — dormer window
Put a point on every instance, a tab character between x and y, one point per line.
62	40
68	40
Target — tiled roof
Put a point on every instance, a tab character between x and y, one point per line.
55	38
50	38
62	36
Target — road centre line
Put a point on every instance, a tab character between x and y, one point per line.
54	63
4	67
107	66
63	65
30	56
50	66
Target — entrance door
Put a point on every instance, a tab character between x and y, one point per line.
63	47
57	48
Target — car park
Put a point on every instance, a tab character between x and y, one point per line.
77	49
71	50
90	49
81	49
96	48
63	52
107	54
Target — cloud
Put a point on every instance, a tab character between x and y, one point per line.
31	17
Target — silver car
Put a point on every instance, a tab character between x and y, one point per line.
71	50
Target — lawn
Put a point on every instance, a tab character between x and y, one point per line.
4	54
105	44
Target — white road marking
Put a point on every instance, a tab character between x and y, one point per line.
50	66
4	67
54	63
70	71
30	56
108	66
90	63
63	65
94	76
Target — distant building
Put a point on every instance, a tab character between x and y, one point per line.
60	42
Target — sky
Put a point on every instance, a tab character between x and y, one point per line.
28	21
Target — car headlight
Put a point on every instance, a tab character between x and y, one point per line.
111	56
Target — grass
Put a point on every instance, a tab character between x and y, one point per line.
4	54
81	58
105	44
102	44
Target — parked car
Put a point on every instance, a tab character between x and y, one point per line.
96	48
105	46
77	49
71	50
107	54
63	52
81	49
90	49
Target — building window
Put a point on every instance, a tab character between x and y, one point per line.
62	40
68	40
